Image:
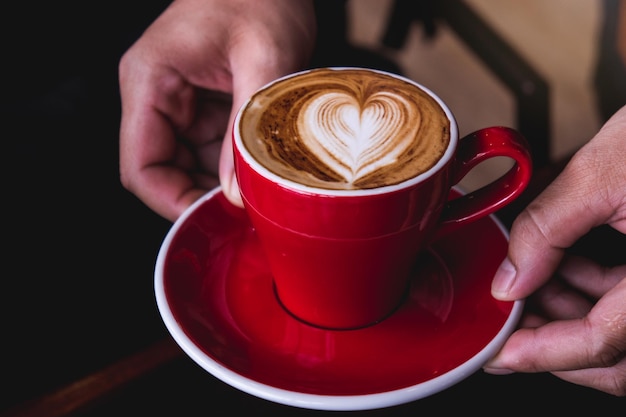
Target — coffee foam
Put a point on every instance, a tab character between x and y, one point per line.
345	129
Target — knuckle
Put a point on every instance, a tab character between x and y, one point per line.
611	349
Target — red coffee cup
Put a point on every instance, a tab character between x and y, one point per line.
342	259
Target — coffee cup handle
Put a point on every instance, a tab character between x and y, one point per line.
473	149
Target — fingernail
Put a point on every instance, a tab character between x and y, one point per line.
497	371
231	190
493	367
503	280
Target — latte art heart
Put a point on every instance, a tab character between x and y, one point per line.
354	140
345	129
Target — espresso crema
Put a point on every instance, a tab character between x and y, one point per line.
345	129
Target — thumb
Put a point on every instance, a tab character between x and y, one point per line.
228	179
556	219
243	87
589	192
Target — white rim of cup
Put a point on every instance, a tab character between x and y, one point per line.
265	172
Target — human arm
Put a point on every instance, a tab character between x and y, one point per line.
182	82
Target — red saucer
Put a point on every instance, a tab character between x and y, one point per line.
216	297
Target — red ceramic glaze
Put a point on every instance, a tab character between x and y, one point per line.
216	295
351	251
348	214
475	148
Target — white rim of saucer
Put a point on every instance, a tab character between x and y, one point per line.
316	401
447	156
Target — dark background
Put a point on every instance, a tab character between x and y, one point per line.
79	251
77	284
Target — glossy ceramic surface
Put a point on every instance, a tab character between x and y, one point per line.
215	294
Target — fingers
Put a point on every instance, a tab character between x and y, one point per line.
247	78
157	103
571	294
589	192
589	277
588	350
558	301
610	380
227	175
258	57
195	47
551	223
